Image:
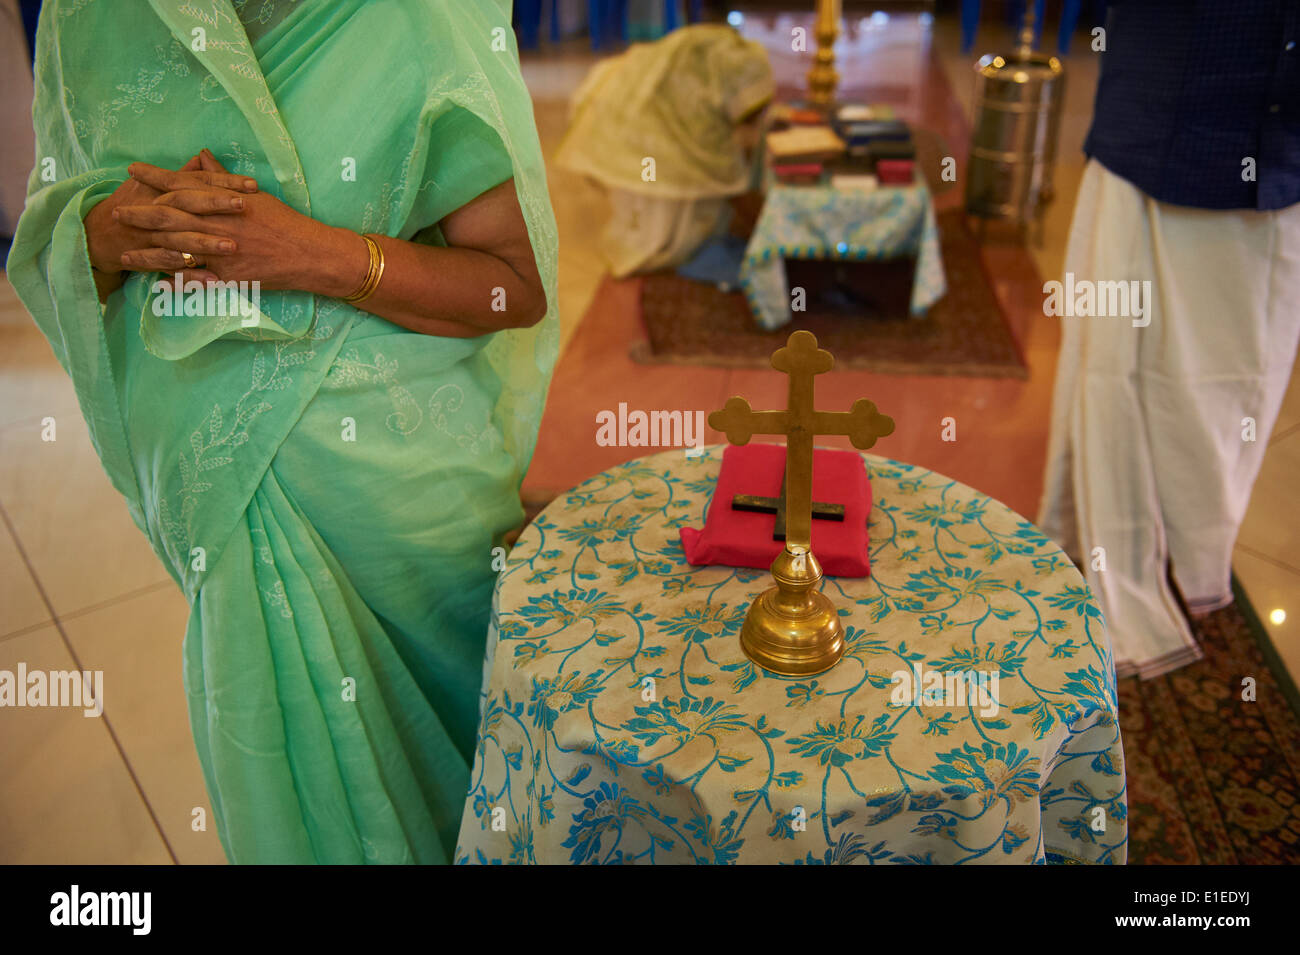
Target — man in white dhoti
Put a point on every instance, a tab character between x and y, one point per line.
1162	413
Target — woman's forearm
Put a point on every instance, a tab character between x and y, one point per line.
485	279
448	291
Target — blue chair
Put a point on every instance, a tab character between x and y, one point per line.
694	14
1016	15
607	19
528	21
970	20
1070	12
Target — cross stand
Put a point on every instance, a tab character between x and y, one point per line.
792	628
759	504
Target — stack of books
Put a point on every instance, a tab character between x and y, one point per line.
873	136
856	145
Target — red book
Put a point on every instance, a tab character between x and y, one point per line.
809	169
894	172
744	538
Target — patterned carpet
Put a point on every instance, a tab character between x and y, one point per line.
1213	779
859	311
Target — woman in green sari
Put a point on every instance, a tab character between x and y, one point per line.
325	461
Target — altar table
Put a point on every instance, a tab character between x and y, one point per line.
622	723
823	222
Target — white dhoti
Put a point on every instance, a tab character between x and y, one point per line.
1158	432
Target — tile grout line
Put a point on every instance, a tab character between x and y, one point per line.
1286	432
23	631
1280	564
90	608
67	643
111	601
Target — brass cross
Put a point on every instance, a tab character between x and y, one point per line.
801	359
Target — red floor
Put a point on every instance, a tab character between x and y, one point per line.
1001	424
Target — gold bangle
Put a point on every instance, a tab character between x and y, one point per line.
374	272
373	269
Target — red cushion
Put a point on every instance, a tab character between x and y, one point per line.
744	538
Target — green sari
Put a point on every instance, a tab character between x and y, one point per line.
339	588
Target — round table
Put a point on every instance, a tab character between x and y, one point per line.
622	723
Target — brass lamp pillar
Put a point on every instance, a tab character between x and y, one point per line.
822	78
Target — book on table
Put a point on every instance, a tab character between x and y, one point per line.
803	144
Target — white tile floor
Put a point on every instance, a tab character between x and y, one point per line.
81	589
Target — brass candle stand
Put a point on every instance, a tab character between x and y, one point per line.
823	78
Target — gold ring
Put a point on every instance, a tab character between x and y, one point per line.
190	261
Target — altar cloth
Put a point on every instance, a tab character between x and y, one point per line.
621	722
852	225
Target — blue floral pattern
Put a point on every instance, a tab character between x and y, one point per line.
622	723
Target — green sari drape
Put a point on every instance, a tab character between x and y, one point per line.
325	486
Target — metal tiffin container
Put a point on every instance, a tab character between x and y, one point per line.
1017	109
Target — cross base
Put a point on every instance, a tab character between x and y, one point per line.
792	628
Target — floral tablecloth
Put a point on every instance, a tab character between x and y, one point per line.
822	222
622	722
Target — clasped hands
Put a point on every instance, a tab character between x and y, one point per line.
207	224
